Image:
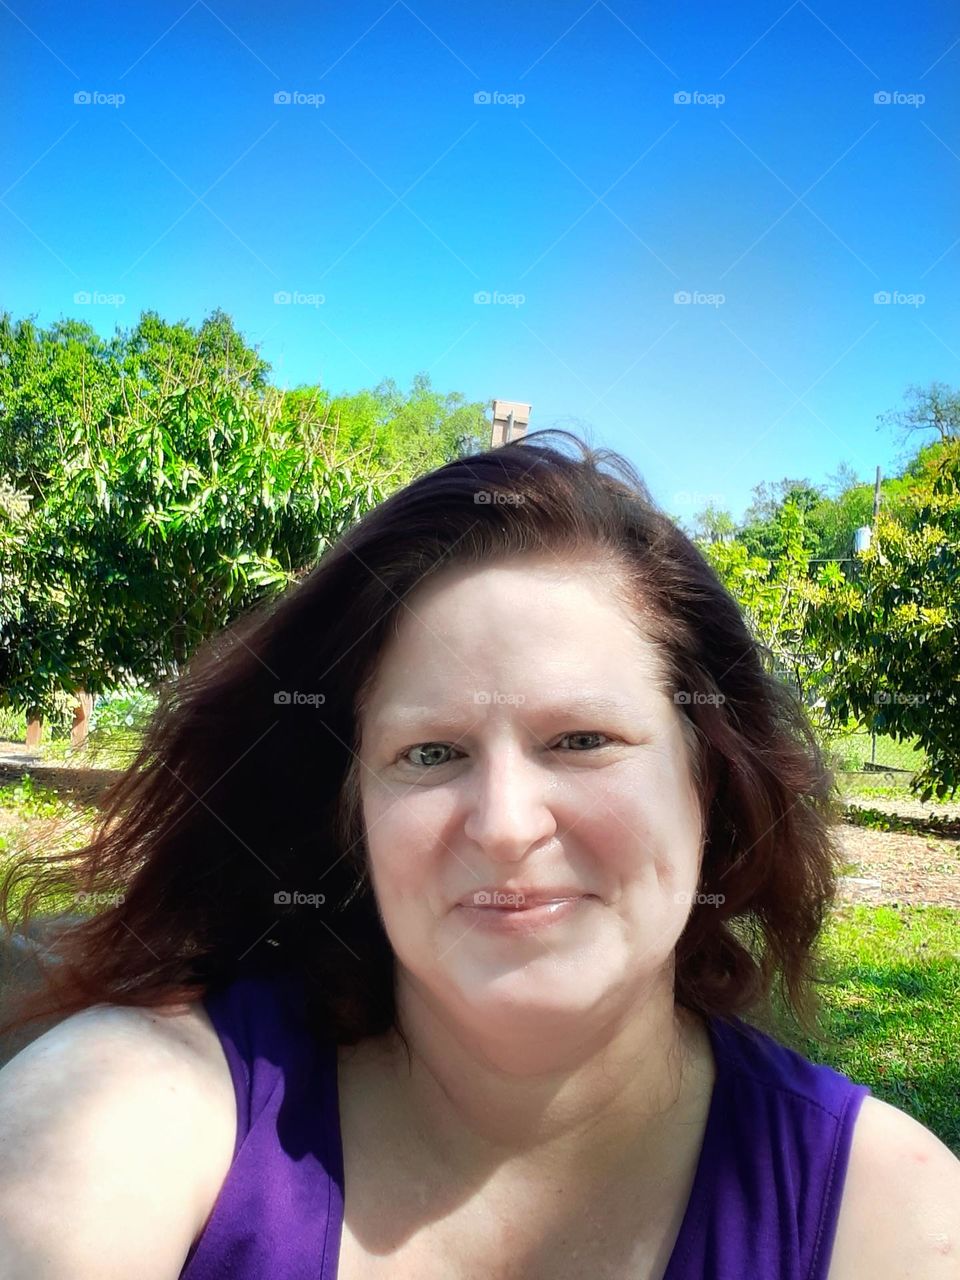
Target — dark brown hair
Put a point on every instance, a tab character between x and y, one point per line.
245	788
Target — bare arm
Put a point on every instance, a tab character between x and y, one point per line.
900	1214
114	1141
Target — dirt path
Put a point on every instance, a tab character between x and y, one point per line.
892	866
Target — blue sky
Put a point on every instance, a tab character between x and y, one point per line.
581	197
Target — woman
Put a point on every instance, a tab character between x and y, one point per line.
446	884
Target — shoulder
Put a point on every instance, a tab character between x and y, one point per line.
117	1127
900	1212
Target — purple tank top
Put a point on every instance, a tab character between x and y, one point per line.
764	1202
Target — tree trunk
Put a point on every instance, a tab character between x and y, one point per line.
81	718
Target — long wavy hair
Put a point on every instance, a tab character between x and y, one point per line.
242	805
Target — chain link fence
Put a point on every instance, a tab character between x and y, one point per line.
873	752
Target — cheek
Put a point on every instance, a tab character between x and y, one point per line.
646	821
401	833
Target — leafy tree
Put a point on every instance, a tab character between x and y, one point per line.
154	485
889	633
49	380
771	595
761	529
711	524
932	408
159	527
409	433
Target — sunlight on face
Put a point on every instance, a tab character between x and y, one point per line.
515	736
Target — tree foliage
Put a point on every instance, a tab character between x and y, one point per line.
771	594
889	633
154	486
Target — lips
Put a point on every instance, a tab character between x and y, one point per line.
518	899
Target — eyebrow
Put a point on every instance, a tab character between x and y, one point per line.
407	717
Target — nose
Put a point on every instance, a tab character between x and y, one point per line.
507	805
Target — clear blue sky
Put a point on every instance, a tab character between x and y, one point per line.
597	199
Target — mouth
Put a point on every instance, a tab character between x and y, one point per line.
524	917
518	899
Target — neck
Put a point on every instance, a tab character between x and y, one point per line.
560	1104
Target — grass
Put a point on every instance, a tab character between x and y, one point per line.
853	750
36	819
891	1009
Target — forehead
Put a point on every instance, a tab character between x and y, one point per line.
549	634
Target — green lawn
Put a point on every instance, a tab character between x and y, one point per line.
892	1009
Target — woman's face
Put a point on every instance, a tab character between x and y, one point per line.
484	767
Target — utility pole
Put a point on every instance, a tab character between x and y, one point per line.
510	421
863	536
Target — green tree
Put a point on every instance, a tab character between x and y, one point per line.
154	485
889	632
771	595
932	408
711	524
159	527
761	529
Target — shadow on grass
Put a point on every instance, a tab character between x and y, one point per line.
83	786
895	1030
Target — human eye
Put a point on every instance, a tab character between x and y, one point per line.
587	733
432	751
429	748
